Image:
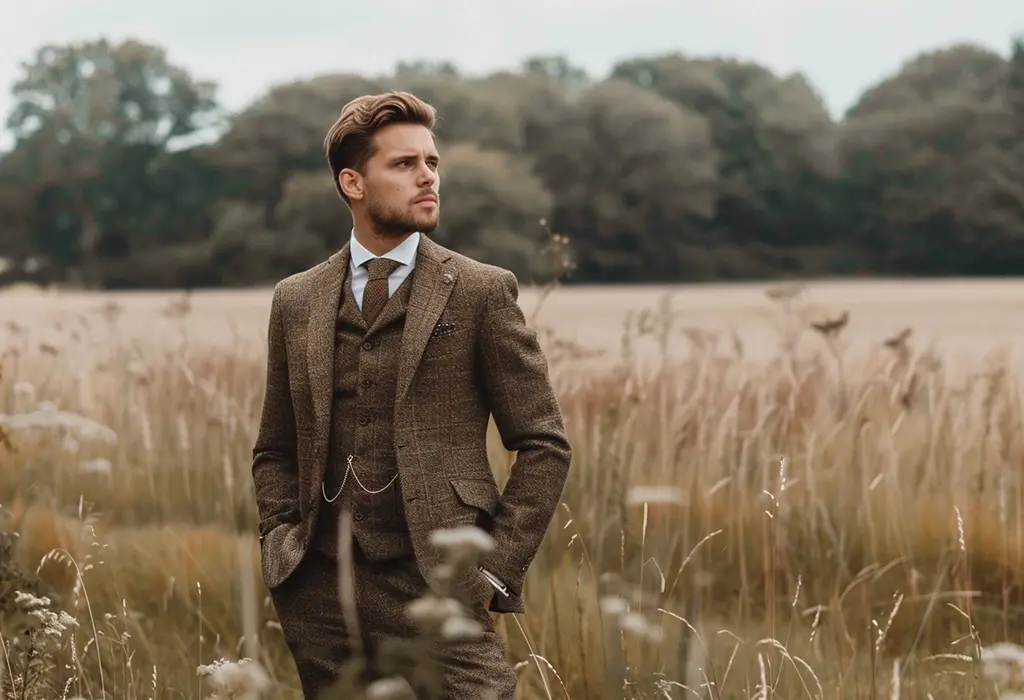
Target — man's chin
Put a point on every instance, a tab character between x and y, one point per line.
407	227
428	225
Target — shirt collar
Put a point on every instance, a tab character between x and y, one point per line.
405	252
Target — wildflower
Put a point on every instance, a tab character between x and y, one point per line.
396	688
431	610
1004	665
96	466
34	615
669	495
614	605
47	418
244	679
637	624
444	572
30	601
465	540
457	629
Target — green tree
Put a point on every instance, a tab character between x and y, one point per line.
92	122
775	141
634	179
934	167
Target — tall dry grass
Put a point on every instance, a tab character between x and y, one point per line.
813	526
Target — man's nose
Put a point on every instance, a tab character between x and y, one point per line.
427	176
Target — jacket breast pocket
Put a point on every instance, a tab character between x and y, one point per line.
446	345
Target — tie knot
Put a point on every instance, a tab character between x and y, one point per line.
381	268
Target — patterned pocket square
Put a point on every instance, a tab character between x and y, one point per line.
443	328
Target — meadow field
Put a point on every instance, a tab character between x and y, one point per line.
778	492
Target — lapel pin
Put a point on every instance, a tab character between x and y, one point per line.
448	278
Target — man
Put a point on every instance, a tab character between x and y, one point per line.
385	363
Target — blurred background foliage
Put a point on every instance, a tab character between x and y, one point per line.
126	173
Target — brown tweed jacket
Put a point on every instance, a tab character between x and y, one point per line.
467	353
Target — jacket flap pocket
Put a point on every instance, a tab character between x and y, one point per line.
478	493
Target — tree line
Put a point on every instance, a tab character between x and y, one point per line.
669	169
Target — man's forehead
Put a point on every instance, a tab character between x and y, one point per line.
411	138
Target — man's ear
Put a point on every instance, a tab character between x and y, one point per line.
351	183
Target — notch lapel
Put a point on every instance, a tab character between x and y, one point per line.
325	298
432	284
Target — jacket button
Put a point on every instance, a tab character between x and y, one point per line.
358	516
364	421
367	383
367	345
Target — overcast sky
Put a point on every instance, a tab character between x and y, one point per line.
842	45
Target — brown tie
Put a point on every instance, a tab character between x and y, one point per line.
375	295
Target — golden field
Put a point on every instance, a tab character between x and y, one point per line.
848	519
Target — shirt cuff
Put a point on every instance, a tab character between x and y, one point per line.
495	581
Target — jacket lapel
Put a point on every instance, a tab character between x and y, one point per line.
432	284
325	296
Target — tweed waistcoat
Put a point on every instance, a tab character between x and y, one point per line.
365	378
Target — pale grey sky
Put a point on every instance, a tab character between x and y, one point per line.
841	45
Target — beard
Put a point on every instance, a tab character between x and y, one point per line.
390	221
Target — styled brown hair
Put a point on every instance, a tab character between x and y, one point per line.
349	142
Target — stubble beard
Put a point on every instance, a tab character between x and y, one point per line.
390	222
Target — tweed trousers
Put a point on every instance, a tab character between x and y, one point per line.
310	612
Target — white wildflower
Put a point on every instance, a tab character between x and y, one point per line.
668	495
396	688
96	466
46	621
444	571
29	601
1004	652
458	629
466	539
614	606
1003	664
244	679
431	610
637	624
47	418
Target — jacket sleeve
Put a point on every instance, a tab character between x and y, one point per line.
274	463
522	401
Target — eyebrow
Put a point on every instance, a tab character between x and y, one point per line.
412	156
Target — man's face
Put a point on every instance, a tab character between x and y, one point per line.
401	182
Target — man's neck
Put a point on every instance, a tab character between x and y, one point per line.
377	244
